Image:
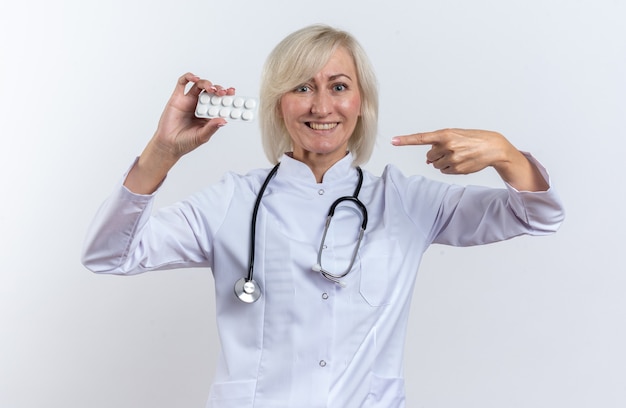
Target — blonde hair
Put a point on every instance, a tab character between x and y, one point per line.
296	59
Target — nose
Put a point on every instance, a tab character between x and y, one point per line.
322	104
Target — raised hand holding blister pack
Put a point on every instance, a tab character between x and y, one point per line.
179	132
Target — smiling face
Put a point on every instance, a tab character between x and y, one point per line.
321	114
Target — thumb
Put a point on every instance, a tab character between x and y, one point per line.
210	128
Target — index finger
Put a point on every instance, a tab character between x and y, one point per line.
426	138
182	82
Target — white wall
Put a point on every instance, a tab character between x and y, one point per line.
532	322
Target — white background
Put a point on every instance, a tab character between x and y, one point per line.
531	322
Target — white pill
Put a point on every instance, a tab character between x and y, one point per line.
205	98
224	112
235	114
250	104
247	115
202	110
238	102
214	111
227	100
216	100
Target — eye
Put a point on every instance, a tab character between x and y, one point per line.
340	87
302	89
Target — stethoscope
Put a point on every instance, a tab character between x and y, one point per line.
246	288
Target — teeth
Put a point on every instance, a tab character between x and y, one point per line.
322	126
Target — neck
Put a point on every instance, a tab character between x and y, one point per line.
319	164
319	170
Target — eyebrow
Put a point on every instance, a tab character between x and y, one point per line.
336	76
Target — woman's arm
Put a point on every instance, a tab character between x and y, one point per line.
178	133
461	151
123	237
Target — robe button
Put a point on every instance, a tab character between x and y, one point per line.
322	363
324	295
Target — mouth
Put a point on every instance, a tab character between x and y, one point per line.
322	126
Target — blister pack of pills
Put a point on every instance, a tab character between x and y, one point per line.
229	107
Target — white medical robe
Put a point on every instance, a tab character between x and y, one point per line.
308	342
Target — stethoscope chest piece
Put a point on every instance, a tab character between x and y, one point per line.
247	290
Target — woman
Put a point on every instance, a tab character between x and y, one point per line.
328	311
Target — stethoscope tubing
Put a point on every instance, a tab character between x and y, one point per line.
331	212
248	291
255	211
